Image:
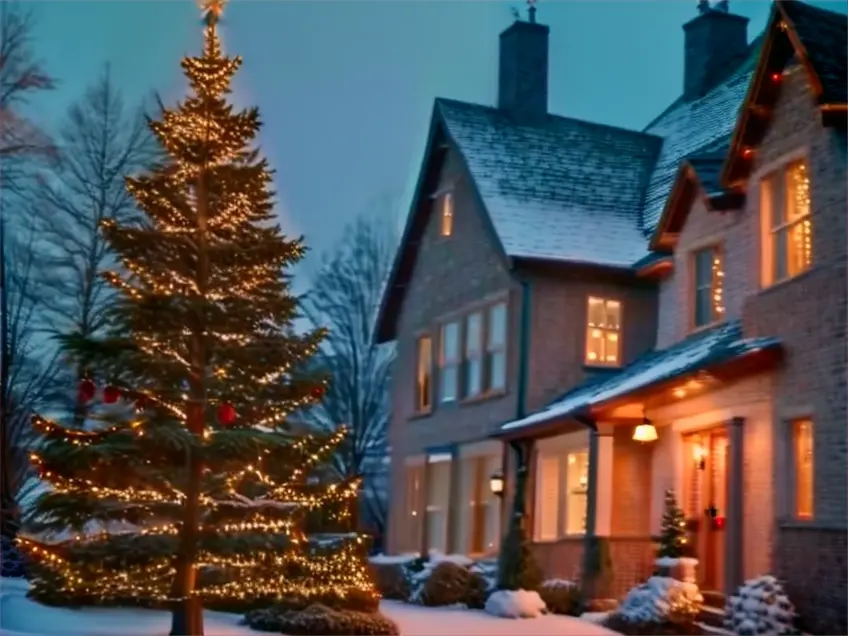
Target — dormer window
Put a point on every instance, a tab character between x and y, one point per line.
708	294
447	213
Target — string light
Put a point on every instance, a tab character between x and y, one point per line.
718	283
195	340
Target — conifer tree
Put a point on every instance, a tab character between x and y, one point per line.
188	465
674	542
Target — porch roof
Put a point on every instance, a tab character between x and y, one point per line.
703	351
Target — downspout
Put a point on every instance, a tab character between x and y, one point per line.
519	447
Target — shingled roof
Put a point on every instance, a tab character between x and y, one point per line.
547	185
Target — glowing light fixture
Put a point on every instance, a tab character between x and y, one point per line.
496	483
645	432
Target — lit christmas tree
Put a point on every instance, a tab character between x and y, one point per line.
187	459
674	542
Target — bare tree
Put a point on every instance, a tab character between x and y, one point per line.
24	376
21	77
345	297
100	142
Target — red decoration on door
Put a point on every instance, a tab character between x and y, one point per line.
719	523
226	414
318	392
87	389
111	394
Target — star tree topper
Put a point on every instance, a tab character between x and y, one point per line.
212	10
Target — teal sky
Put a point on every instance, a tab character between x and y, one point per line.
345	87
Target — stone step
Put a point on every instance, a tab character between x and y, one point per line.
711	616
714	599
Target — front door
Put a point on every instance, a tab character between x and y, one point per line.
705	504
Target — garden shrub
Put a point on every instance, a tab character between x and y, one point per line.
561	597
320	620
391	580
452	584
617	623
760	606
661	605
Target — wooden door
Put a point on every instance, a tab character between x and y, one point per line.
705	500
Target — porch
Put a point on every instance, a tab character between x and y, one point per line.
696	418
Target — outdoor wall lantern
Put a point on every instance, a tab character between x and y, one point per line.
645	432
496	483
700	455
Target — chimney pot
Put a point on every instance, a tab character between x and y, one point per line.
723	6
703	6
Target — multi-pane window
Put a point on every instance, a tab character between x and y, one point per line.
496	348
708	280
474	354
424	375
447	213
787	223
603	332
802	459
562	481
449	359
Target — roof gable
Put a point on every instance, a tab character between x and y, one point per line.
818	38
436	150
545	184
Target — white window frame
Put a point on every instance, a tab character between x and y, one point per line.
774	190
473	357
496	347
604	332
714	289
565	491
449	363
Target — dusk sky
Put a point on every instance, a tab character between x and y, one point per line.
346	88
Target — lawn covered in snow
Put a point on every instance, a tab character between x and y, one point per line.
20	616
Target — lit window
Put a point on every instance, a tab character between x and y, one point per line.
449	361
414	507
709	286
473	354
438	501
478	513
802	451
786	216
424	374
496	348
562	482
603	333
447	214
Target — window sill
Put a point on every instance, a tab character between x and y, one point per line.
418	415
594	366
482	397
790	523
765	289
706	327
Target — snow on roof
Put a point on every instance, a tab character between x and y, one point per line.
549	186
720	343
690	128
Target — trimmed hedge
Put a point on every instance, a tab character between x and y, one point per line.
320	620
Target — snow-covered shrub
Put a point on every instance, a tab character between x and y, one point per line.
515	604
319	620
760	606
561	597
391	580
658	603
451	584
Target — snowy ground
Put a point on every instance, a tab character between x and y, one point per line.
21	617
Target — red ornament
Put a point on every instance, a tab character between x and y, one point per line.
111	394
87	389
226	414
318	392
719	523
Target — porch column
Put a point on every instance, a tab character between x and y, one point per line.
455	506
734	519
604	492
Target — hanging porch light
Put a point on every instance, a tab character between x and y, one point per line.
645	432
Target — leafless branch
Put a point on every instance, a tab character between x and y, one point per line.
100	142
345	297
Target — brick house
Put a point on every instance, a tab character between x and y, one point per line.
561	283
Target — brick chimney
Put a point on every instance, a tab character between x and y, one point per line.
714	39
523	68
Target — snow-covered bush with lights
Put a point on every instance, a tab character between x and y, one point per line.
659	600
760	606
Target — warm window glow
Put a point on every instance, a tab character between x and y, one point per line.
603	341
709	286
474	354
424	374
478	521
496	348
415	507
438	501
562	482
787	223
449	361
447	214
802	450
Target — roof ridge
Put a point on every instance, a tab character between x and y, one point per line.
567	118
813	7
